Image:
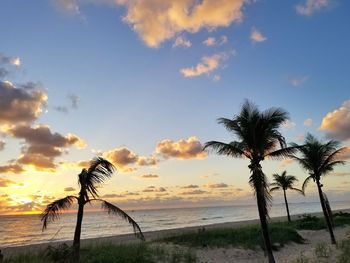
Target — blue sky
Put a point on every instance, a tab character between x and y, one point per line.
132	94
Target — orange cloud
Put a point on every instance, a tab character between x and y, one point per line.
149	176
285	163
219	185
207	65
191	186
147	161
190	148
341	174
336	124
194	192
69	189
12	168
157	20
122	158
42	146
308	122
6	182
154	189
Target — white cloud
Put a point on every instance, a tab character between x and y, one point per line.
182	42
216	77
212	41
257	36
298	81
14	61
300	137
310	6
68	6
288	124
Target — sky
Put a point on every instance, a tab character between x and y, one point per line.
142	84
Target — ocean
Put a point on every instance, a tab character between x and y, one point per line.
17	230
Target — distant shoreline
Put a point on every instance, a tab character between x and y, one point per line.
150	235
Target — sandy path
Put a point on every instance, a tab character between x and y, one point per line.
286	254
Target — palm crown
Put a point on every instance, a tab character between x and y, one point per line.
89	179
284	182
319	158
258	138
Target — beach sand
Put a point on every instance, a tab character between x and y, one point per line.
213	255
286	254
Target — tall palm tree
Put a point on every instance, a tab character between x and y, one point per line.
89	179
319	159
258	138
284	182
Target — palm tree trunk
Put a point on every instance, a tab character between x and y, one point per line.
77	233
263	222
287	208
325	213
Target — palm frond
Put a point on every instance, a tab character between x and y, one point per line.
112	209
233	149
52	211
230	125
304	162
99	170
274	189
297	190
283	152
307	180
332	159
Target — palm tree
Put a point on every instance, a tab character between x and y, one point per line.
284	182
319	159
89	179
258	138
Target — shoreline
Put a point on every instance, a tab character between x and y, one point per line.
149	235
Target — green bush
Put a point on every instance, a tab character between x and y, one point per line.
246	237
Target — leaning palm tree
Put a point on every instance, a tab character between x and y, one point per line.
258	138
319	159
89	179
284	182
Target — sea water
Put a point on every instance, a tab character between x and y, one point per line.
16	230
